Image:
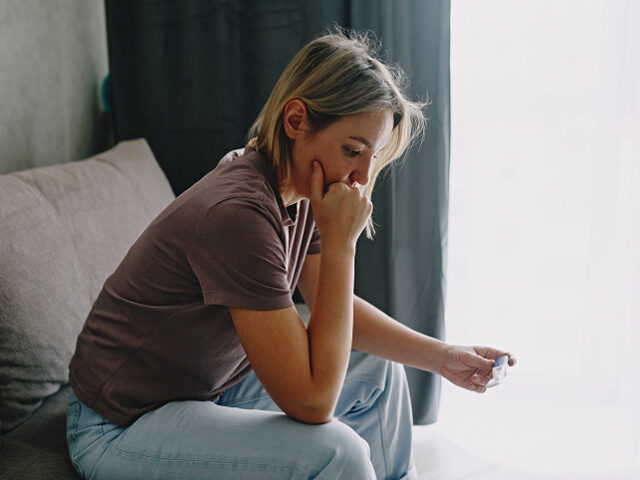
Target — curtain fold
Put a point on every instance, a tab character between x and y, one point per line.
403	271
191	76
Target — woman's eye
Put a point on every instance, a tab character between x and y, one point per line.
352	153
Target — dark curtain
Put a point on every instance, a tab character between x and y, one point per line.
190	76
403	270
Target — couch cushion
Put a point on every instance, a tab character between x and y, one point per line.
37	448
63	230
24	461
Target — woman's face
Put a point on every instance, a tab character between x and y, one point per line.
345	149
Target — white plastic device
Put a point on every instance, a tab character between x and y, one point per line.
499	370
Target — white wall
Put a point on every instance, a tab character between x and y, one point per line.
53	57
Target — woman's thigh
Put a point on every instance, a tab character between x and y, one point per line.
365	370
200	439
374	402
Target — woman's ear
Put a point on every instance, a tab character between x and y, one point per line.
295	116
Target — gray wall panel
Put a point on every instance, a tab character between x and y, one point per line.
53	57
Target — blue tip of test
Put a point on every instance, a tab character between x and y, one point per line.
501	361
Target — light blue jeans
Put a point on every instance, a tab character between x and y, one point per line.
244	435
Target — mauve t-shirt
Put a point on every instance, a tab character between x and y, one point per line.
160	329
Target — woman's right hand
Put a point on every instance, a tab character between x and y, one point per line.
341	212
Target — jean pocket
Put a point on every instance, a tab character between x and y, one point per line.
73	417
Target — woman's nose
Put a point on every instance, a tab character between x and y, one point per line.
361	173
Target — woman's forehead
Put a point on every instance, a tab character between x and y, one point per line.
370	128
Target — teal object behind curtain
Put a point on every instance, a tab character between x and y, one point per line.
191	75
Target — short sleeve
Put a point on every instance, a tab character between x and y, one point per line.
315	246
239	257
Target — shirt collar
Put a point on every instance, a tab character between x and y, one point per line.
289	214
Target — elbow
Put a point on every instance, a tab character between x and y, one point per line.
308	403
312	412
311	415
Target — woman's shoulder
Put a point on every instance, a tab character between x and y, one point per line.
240	174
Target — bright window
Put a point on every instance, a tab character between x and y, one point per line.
544	232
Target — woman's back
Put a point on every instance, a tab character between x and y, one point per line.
160	329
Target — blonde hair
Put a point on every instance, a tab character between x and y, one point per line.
334	76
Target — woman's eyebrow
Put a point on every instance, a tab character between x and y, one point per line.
362	140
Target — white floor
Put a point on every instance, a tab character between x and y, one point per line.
521	431
439	458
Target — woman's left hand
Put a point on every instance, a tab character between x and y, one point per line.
470	367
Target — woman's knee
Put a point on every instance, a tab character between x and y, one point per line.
379	373
345	454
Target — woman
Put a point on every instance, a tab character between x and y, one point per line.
193	349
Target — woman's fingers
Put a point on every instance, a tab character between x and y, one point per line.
317	181
479	361
494	353
341	212
481	380
479	383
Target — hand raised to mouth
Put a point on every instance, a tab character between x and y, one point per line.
340	211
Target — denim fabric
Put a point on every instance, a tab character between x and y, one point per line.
244	435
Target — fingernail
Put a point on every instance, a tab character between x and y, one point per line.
314	165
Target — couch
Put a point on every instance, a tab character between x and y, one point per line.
63	230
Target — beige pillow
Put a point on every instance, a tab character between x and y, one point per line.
63	230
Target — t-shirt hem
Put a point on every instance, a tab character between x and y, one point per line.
95	405
250	303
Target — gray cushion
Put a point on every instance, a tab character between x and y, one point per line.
37	448
63	230
24	461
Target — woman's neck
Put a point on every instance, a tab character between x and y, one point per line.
287	190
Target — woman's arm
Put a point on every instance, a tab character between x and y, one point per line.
303	370
377	333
